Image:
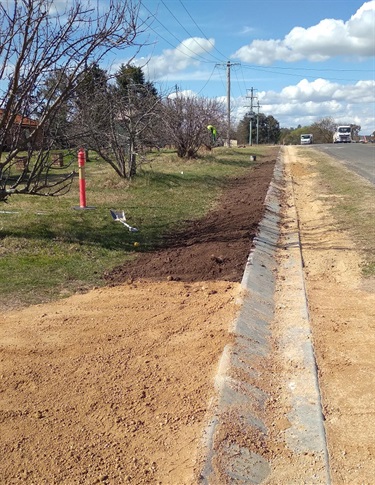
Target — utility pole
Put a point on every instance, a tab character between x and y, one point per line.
228	65
228	103
258	106
251	114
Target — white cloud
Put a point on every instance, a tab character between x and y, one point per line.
321	90
175	60
246	30
59	7
187	93
329	38
307	102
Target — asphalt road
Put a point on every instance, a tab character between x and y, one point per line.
358	157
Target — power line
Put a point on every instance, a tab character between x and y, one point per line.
309	68
176	48
189	34
221	78
195	55
179	50
238	81
201	31
295	75
208	80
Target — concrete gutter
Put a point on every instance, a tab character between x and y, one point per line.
235	441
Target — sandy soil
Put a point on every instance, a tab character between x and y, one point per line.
108	387
113	386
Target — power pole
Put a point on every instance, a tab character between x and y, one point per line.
252	114
258	106
228	103
228	65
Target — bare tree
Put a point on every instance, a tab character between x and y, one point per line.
323	130
186	120
355	131
119	121
35	40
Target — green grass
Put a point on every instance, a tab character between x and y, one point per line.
48	249
354	208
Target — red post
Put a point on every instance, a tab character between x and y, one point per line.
82	181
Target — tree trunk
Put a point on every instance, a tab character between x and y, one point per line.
132	165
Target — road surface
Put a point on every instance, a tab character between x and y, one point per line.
357	157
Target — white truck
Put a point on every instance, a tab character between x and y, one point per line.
343	134
306	139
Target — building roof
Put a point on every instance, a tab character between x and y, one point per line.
22	120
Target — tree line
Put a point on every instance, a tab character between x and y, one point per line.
120	115
322	131
266	129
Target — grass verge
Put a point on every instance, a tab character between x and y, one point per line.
354	208
50	249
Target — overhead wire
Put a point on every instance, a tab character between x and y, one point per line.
208	80
238	81
272	70
313	69
221	78
201	31
223	56
195	56
279	70
190	35
243	77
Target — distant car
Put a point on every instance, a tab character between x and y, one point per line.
306	139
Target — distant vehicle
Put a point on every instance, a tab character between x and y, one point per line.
343	134
306	139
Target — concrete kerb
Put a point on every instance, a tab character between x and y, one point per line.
306	433
240	400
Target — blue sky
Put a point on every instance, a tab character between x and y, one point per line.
305	59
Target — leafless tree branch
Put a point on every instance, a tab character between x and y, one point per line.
36	40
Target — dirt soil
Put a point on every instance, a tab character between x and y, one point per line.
214	248
114	386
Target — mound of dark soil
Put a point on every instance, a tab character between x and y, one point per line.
213	248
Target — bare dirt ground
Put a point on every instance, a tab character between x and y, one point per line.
113	386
